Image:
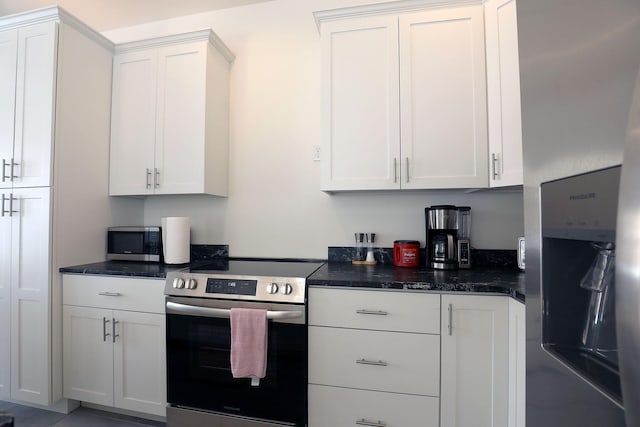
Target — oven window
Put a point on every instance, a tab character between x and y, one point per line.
199	370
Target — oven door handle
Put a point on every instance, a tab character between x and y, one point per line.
176	308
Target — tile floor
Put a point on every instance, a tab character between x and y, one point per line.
25	416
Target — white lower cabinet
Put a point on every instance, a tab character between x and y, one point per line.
375	360
114	357
482	361
395	359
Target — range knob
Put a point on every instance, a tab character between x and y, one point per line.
191	284
272	288
178	283
288	289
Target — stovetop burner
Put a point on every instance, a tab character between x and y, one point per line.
272	281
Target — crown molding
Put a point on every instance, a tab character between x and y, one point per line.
53	14
394	7
191	36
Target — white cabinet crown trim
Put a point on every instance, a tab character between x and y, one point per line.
191	36
53	13
396	7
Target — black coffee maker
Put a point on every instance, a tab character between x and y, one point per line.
448	246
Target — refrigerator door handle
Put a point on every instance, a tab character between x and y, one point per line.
627	279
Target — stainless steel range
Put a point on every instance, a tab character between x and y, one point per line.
200	387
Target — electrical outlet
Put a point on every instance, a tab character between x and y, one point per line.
316	153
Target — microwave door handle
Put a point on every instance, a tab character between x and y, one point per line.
192	310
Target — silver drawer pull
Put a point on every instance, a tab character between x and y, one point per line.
110	294
374	312
363	422
372	362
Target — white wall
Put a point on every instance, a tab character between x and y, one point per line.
275	207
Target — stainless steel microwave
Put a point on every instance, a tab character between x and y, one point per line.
134	244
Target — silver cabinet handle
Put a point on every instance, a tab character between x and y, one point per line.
115	322
156	178
407	169
4	170
105	334
13	165
364	422
373	312
11	199
177	308
495	163
395	170
450	319
110	294
372	362
148	178
3	212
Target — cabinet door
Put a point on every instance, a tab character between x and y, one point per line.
140	362
342	407
443	99
180	123
360	144
503	93
8	54
133	123
5	301
88	354
517	364
35	112
30	309
475	365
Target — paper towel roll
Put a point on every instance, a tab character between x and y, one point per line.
176	240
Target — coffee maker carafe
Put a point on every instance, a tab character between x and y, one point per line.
447	240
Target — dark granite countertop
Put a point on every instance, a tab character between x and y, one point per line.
125	268
498	280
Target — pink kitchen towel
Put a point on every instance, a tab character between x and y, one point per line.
248	343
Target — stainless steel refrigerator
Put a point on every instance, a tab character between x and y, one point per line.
579	65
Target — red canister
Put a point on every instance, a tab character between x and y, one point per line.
406	253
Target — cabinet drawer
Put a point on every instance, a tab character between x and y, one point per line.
375	360
376	310
340	407
118	293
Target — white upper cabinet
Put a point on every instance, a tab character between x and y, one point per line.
442	99
503	93
27	89
404	100
361	144
8	55
133	123
170	116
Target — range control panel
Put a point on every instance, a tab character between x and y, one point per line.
275	289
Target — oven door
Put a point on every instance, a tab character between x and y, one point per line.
199	368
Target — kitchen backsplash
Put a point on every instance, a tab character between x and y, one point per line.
479	257
208	252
